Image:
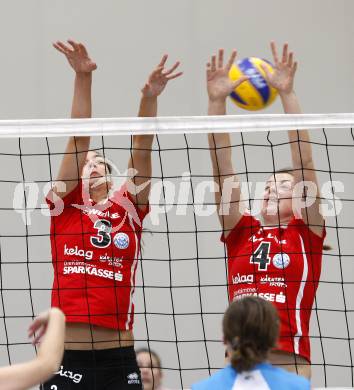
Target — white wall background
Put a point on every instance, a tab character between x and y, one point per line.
126	39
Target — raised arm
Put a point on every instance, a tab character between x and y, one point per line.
301	151
50	326
76	150
228	192
141	154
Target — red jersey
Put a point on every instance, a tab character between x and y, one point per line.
95	249
281	265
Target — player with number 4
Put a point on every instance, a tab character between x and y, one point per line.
280	258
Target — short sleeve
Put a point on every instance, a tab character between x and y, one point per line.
125	200
141	211
306	232
73	197
247	225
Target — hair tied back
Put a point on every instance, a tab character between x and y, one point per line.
235	344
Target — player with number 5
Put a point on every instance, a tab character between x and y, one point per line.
280	258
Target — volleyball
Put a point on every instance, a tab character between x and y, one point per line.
255	93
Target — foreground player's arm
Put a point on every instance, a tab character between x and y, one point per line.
219	87
50	326
76	150
141	154
301	151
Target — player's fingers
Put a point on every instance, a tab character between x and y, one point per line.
171	70
231	59
266	71
274	52
208	69
57	47
163	61
291	59
38	336
64	49
83	49
74	45
174	76
294	68
36	323
155	73
240	81
285	53
32	331
220	58
62	45
213	63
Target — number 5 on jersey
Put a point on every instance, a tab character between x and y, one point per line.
261	256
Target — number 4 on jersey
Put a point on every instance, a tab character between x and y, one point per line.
261	256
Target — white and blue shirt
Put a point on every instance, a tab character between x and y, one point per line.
263	377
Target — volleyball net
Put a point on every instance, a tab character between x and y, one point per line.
181	283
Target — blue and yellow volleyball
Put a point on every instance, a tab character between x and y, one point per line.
255	93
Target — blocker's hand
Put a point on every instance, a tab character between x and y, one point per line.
77	56
282	79
38	327
159	78
219	85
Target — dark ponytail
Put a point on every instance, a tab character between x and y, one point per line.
251	327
